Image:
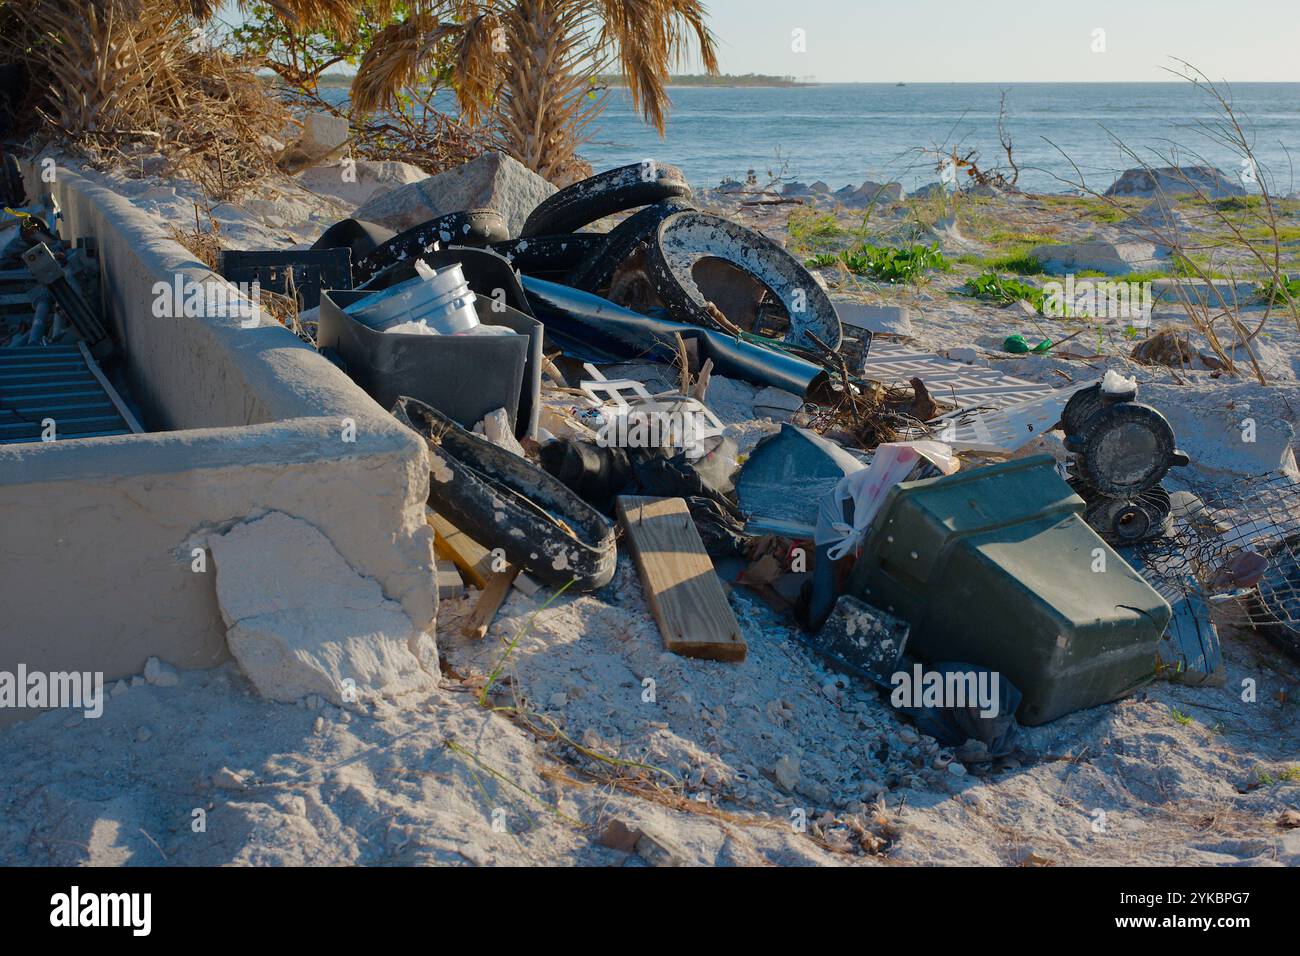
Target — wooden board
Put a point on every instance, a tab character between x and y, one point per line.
489	602
681	587
472	560
449	583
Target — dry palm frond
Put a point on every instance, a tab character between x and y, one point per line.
400	54
118	72
647	39
526	68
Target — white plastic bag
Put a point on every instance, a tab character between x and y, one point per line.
893	462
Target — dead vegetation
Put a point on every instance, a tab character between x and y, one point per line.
122	76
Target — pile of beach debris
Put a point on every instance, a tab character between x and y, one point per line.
900	492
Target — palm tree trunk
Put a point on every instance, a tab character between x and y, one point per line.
542	95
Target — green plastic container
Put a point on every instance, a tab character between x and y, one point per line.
995	566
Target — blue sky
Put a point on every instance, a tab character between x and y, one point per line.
1011	40
967	41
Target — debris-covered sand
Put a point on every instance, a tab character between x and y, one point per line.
588	722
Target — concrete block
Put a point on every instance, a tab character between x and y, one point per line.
250	420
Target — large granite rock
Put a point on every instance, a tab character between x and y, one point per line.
928	190
880	192
1175	181
359	181
491	181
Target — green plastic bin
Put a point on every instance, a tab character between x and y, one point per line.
995	566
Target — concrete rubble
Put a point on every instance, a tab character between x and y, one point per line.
302	622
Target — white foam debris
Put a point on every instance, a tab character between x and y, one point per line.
1113	383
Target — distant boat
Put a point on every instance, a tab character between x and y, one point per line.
900	84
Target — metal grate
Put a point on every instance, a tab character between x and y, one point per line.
59	384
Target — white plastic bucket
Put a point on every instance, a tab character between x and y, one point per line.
440	298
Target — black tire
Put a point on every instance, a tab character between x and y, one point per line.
683	240
551	257
595	272
615	190
473	227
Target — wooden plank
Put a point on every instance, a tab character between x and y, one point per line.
681	587
489	602
449	583
115	398
472	560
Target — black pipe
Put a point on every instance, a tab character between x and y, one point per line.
592	329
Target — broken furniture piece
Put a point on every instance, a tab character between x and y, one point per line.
680	584
996	566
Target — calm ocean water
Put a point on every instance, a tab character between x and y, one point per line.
846	133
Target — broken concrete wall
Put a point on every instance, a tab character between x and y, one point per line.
95	571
